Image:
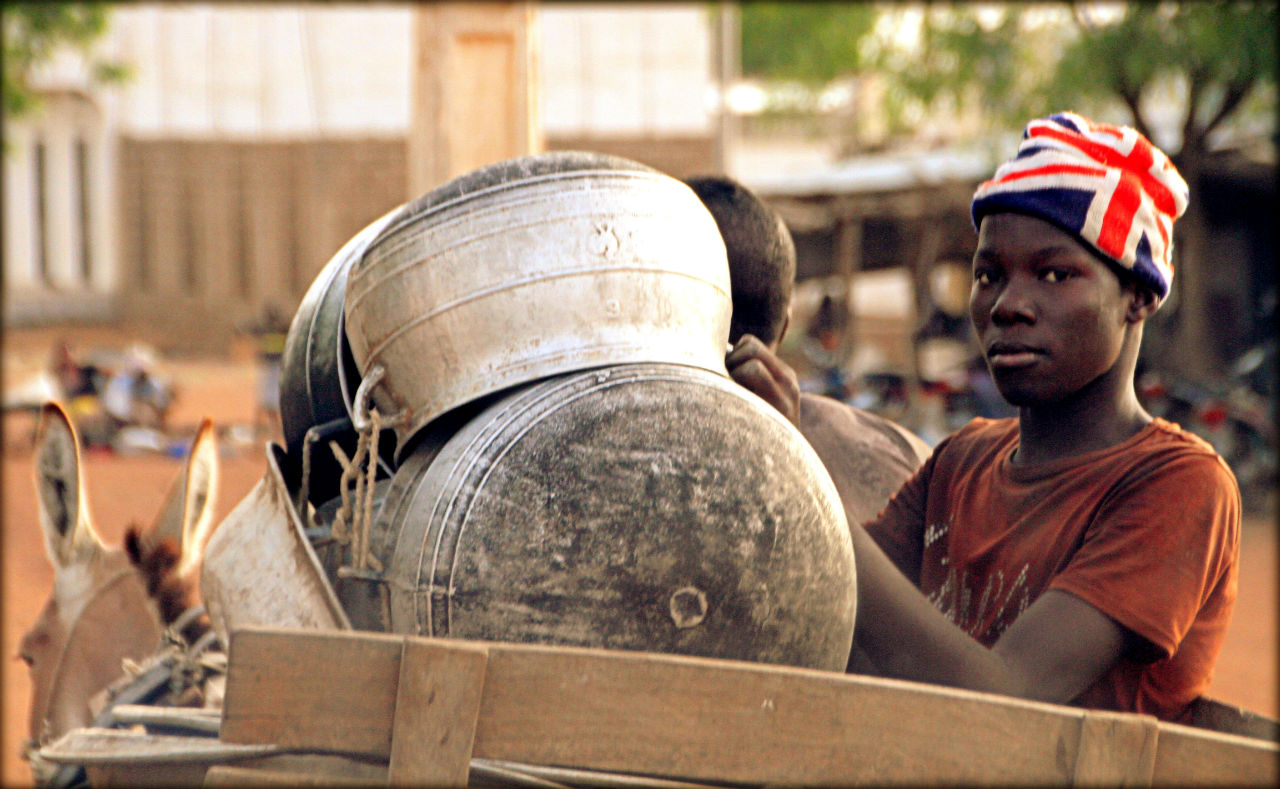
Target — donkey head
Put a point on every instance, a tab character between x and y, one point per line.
99	612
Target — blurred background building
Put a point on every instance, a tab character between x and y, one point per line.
253	139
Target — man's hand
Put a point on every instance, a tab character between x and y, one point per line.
754	366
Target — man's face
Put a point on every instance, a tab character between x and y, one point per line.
1049	315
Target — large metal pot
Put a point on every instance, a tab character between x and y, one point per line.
319	376
534	267
648	507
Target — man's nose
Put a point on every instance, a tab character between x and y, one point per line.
1015	303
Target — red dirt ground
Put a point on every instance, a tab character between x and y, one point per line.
123	489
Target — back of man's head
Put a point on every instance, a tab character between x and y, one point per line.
762	256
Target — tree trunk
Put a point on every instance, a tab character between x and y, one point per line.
1190	348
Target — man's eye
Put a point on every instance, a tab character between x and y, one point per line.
1055	275
982	277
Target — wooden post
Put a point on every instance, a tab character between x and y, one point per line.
475	89
848	264
437	704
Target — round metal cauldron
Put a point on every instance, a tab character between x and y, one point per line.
647	507
318	375
535	267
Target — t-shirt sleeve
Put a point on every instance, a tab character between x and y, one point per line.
899	528
1158	546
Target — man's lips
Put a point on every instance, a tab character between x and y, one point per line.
1008	355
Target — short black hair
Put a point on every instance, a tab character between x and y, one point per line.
762	256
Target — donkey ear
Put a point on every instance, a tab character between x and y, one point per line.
188	506
69	538
202	494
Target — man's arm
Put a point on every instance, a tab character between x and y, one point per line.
1054	651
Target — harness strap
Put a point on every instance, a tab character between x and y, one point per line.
186	617
203	644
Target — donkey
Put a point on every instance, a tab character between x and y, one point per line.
108	605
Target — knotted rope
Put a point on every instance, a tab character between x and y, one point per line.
354	518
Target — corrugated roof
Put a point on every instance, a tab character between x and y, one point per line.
884	173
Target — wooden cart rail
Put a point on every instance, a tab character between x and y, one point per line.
426	707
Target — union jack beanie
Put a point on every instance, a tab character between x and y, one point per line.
1106	185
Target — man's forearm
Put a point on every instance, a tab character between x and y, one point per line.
906	637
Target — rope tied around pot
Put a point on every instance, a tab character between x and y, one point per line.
354	518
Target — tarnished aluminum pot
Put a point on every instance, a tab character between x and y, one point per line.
318	375
534	267
645	507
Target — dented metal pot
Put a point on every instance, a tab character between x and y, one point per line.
534	267
647	507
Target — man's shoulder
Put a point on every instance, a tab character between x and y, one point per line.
1166	447
828	417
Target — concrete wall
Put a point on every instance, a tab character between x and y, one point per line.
213	231
255	138
291	69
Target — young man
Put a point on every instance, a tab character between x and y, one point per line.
867	456
1083	552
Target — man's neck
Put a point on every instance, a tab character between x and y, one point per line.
1087	422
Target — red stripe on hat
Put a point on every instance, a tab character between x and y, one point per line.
1118	219
1164	237
1051	169
1139	162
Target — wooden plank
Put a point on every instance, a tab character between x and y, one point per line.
691	718
206	721
226	775
117	746
437	703
718	720
1116	749
146	774
1186	756
326	690
662	715
330	766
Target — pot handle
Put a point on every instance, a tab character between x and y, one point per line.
360	408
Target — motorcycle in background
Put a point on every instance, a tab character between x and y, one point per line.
1234	415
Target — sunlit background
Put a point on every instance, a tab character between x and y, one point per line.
174	171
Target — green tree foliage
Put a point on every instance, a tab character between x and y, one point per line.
33	34
1176	71
989	55
1220	53
811	43
1019	60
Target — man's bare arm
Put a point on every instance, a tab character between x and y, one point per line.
1054	651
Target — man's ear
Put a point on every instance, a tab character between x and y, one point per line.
1142	304
786	322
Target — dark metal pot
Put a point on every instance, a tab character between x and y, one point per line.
319	376
647	507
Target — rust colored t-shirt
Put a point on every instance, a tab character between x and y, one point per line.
1147	531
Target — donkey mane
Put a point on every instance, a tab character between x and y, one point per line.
173	593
